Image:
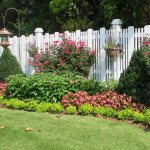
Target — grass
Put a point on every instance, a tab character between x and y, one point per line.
67	133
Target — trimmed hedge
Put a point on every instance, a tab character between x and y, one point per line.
135	80
8	65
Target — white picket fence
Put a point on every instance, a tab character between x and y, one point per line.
104	67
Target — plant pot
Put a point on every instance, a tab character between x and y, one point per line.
32	53
113	52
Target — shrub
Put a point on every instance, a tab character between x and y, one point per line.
105	111
31	105
138	117
86	109
1	98
135	80
71	110
147	116
125	114
50	87
105	99
56	108
43	107
17	104
8	65
65	55
14	103
2	88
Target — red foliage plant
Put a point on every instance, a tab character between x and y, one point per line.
2	88
105	99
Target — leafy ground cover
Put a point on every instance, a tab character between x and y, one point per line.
67	132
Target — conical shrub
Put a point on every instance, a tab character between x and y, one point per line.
135	80
8	65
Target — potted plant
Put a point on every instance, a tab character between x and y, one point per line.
32	50
112	49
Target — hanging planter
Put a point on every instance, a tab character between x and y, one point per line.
113	50
32	53
32	50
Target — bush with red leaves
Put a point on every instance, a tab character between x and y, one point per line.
105	99
2	88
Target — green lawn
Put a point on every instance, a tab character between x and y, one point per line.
68	133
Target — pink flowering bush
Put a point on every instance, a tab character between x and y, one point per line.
66	55
105	99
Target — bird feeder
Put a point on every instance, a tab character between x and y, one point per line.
4	34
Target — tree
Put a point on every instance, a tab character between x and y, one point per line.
8	65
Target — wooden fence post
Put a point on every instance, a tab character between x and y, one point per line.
39	38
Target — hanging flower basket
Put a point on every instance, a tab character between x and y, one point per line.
32	50
32	53
113	52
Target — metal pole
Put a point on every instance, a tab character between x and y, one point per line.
4	21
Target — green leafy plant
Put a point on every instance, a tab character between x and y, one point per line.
135	80
14	103
147	116
56	108
1	98
8	65
86	109
105	111
71	110
43	107
31	105
125	114
50	87
138	117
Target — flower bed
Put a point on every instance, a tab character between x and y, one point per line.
106	99
84	109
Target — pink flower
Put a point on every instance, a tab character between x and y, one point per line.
46	62
30	61
93	52
82	44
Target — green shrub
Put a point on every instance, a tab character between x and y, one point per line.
71	110
8	65
147	116
17	104
14	103
110	85
86	109
1	98
56	108
31	105
49	87
43	107
105	111
125	114
135	80
138	117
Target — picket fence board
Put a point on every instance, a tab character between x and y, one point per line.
104	67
